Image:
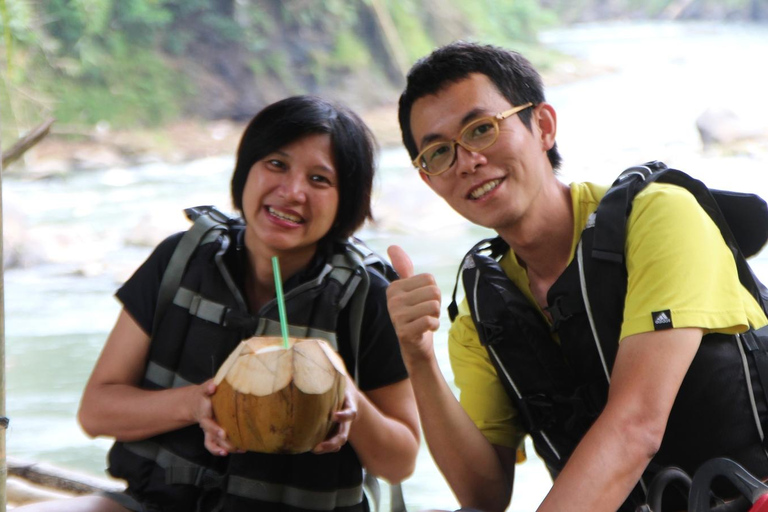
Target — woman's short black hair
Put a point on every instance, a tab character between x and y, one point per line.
353	149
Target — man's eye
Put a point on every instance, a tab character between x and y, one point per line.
438	151
480	130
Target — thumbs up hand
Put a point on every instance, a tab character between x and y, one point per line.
413	302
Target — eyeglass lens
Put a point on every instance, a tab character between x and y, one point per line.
476	136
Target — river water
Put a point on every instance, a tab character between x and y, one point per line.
90	230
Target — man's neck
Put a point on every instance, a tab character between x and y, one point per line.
542	241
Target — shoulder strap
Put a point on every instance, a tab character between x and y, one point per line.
209	224
495	246
741	218
367	259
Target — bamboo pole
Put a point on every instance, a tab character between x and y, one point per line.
26	142
59	479
4	424
16	151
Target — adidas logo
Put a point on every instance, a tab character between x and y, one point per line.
662	319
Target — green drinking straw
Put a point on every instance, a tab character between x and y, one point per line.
280	300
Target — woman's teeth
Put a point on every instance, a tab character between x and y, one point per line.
481	191
285	216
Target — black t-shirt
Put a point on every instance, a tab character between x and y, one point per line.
379	355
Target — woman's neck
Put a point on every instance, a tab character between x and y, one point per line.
260	277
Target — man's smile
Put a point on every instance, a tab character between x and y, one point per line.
485	188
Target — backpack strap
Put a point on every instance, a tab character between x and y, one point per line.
367	260
742	220
209	224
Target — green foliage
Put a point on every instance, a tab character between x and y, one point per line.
349	51
149	98
93	60
504	21
407	16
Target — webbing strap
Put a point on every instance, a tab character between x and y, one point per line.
164	378
608	244
294	496
357	290
756	344
204	226
199	306
181	471
198	476
271	327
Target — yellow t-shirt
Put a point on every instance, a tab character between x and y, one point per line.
676	260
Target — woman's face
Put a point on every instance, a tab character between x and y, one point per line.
291	197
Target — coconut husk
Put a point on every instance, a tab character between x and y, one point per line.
275	400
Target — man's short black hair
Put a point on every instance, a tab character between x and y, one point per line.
353	149
512	74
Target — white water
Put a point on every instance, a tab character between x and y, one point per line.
58	314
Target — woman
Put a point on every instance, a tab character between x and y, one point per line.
302	183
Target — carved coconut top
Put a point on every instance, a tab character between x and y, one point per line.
262	365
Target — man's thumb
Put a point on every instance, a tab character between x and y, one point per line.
400	261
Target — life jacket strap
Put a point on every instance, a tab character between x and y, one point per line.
200	307
181	471
199	476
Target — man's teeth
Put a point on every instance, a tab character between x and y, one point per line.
481	191
285	216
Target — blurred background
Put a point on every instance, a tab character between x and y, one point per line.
148	99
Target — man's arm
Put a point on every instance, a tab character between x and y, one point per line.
479	473
611	458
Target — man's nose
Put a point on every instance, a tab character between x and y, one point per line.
467	160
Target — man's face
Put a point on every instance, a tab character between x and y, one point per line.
493	187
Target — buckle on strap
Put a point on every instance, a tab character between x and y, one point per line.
563	309
198	476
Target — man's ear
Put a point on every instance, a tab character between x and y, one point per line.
546	119
425	178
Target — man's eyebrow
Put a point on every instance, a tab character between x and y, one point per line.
469	116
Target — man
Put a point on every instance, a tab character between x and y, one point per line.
475	121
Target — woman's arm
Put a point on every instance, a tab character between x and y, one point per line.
114	405
385	431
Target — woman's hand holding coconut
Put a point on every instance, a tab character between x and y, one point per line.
215	436
344	418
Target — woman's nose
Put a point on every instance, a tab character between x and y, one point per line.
294	188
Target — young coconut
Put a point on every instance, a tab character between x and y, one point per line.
275	400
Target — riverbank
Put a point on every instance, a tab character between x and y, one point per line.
66	149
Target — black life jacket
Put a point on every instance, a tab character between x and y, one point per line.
192	337
560	389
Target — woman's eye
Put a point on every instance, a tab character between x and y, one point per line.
319	178
277	164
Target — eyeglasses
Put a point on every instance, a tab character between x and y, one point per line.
476	136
